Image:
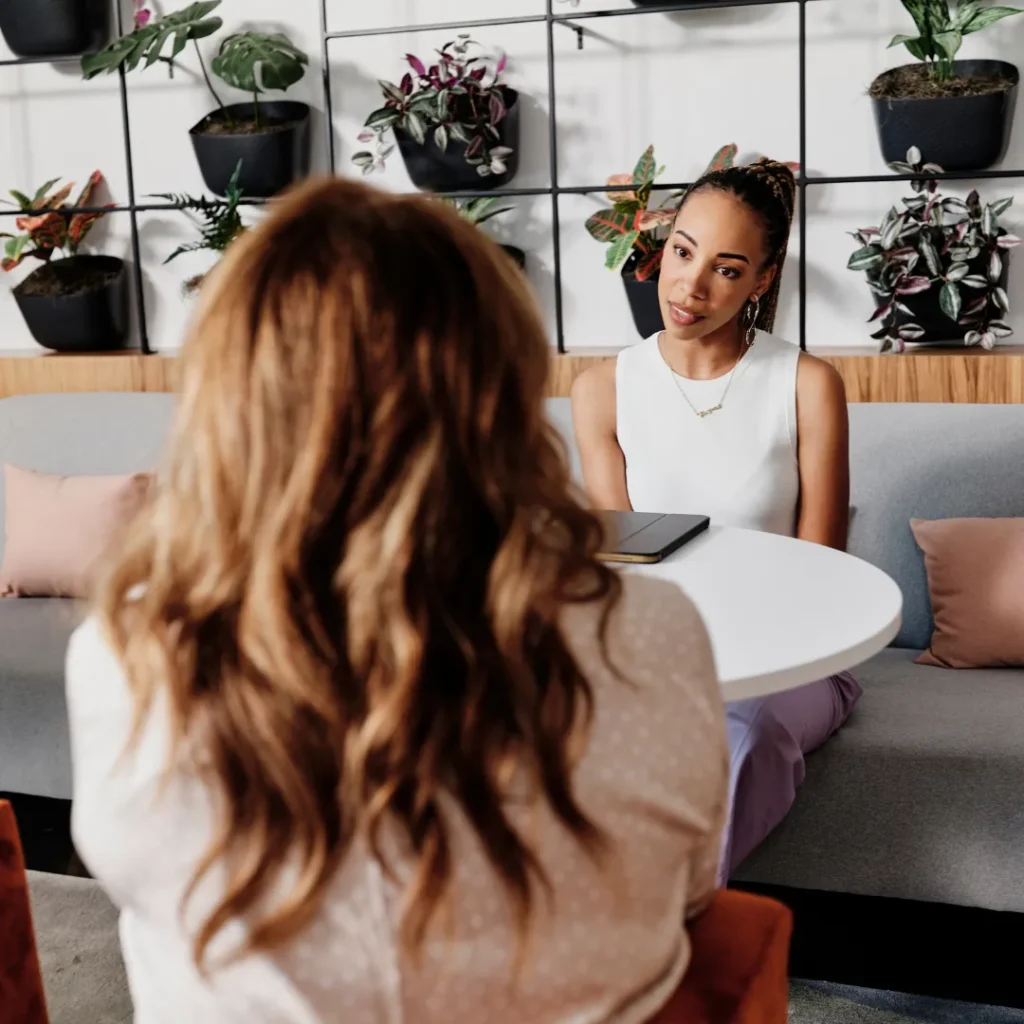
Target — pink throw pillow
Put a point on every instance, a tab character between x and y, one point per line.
59	527
976	582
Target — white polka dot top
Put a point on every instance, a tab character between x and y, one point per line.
611	947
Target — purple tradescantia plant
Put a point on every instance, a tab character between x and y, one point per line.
955	245
457	98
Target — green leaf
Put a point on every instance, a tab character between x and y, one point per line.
1001	299
957	272
643	172
865	258
1000	206
256	62
931	257
619	250
441	137
416	128
965	10
949	42
995	267
23	201
192	22
987	16
608	225
382	116
723	159
949	300
974	281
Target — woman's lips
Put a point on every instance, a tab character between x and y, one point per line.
683	317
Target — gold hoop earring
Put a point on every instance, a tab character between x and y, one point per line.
754	310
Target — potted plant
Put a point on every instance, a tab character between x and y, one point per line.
957	112
937	266
78	303
219	222
636	234
271	139
481	209
54	28
456	123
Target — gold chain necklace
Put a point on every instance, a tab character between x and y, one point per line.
701	413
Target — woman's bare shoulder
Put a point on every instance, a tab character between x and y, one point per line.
817	378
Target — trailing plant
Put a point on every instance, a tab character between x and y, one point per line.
219	222
934	241
57	228
940	31
251	61
630	226
458	98
477	210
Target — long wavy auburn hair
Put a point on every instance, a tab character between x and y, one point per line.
350	580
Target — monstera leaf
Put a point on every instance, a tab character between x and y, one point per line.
148	42
255	62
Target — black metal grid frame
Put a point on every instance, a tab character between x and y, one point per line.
550	19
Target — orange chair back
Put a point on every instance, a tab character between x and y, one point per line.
738	971
21	984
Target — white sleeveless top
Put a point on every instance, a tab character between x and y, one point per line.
737	465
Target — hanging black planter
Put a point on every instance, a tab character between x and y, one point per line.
927	313
54	28
274	153
968	132
643	300
434	170
79	304
517	254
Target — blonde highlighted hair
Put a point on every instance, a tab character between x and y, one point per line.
350	580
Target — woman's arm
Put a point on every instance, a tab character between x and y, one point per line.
823	453
593	422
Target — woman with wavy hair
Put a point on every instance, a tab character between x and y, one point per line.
362	729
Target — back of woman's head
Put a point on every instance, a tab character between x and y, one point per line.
353	570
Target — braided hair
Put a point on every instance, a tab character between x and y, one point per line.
769	189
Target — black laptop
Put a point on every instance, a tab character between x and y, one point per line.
647	536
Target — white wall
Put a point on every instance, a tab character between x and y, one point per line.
687	82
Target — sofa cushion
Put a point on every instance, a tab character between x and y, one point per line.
34	755
915	460
918	796
83	434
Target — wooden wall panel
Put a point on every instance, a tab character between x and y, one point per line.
31	373
953	375
949	375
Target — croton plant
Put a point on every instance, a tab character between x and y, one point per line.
57	228
933	241
459	97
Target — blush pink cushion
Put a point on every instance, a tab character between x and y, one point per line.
59	527
976	582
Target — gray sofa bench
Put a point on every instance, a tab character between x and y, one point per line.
82	434
918	796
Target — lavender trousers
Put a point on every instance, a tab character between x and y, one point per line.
768	737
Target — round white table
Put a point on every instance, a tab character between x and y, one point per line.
781	612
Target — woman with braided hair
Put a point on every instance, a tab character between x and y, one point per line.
715	415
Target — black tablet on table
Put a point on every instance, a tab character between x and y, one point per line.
647	536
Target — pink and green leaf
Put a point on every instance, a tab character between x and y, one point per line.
649	266
619	250
608	225
723	159
645	169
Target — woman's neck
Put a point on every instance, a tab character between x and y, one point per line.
704	358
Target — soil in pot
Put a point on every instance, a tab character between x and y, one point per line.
273	148
54	28
79	304
643	300
962	124
436	170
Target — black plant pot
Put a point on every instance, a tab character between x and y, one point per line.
927	313
517	254
434	170
671	3
54	28
959	133
79	304
643	300
272	157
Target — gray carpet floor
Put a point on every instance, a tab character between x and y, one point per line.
76	930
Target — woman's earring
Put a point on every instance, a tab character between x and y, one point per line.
754	307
